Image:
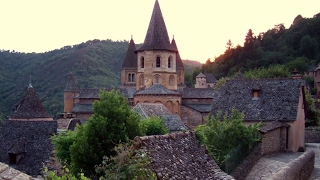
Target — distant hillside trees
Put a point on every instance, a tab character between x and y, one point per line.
299	43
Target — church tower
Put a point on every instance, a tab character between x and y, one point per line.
129	67
70	92
157	58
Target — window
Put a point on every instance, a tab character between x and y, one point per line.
158	63
157	79
142	62
171	80
255	94
131	77
169	62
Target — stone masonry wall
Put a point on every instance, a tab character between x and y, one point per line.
270	142
301	168
312	135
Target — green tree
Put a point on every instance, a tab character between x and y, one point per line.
129	163
112	122
277	71
312	113
154	125
300	63
222	133
62	144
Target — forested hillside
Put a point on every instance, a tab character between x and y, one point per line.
95	64
296	47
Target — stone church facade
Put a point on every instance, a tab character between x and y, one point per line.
153	73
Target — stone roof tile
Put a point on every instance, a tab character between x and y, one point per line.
157	89
71	84
171	121
30	107
180	156
278	99
272	125
130	61
197	93
179	63
210	78
36	138
157	36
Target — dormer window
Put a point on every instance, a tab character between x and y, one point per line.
158	62
255	94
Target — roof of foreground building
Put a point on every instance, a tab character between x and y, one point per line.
180	156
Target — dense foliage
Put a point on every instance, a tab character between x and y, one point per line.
94	64
112	122
222	133
154	125
129	163
296	47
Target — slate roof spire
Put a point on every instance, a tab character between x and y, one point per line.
29	107
175	47
71	84
30	85
157	35
130	61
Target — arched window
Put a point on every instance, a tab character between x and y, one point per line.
157	79
141	80
142	62
129	77
132	77
170	62
171	80
158	63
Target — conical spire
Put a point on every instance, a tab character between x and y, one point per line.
157	35
174	46
30	85
71	84
130	61
29	107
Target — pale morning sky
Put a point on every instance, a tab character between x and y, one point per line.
201	28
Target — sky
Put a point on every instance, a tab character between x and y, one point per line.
201	28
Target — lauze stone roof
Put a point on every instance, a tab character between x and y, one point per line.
130	61
180	156
31	139
277	99
157	36
157	89
171	121
30	107
197	93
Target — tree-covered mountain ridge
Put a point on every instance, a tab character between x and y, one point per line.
295	47
95	64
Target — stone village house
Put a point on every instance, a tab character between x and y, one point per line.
266	101
25	142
